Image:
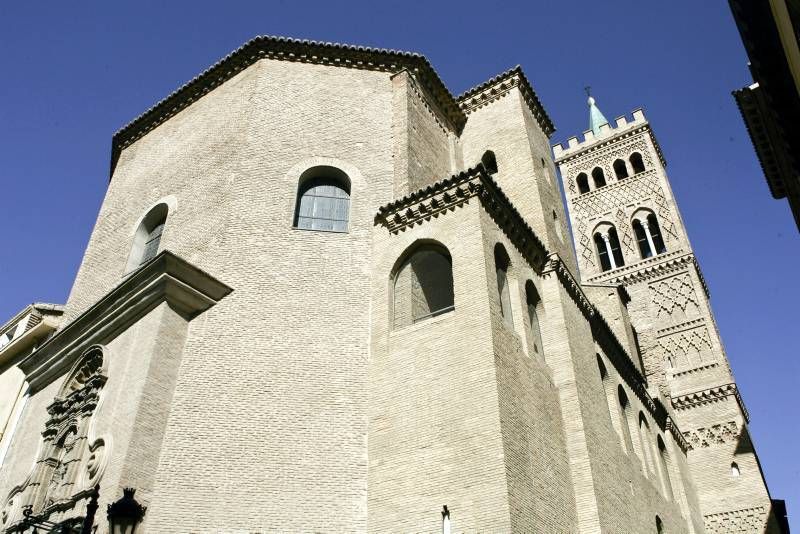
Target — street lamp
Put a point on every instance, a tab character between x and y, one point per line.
125	514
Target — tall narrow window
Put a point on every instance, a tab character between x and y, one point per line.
641	239
533	301
636	163
489	162
323	200
664	463
644	442
655	234
598	177
624	409
583	183
735	470
616	251
502	263
147	239
423	285
602	252
620	169
659	526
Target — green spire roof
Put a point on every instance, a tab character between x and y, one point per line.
596	118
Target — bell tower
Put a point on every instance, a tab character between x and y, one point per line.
627	231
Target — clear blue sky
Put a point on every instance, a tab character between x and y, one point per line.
75	72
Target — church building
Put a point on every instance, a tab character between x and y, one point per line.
324	294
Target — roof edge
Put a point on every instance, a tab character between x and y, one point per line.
286	49
494	88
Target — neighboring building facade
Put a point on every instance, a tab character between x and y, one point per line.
325	295
20	337
770	31
628	232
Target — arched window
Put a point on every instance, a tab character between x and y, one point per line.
602	252
598	177
147	239
533	301
655	233
624	409
501	264
489	162
664	464
423	285
323	200
644	443
735	470
616	251
583	183
636	163
641	239
602	367
659	526
620	169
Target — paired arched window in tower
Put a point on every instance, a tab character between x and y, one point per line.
620	169
423	285
599	177
323	200
648	236
534	305
609	251
636	163
502	263
147	239
583	183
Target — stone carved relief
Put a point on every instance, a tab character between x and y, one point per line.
687	349
674	297
714	435
69	463
615	199
737	521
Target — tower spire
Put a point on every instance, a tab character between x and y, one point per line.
596	118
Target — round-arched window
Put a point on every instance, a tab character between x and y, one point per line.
323	200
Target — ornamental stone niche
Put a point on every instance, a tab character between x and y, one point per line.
71	461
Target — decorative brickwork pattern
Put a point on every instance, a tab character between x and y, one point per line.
737	521
687	349
714	435
673	293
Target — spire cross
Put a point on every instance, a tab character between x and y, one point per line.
588	90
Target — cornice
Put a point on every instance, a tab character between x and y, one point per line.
710	396
652	268
285	49
680	439
165	278
495	88
445	195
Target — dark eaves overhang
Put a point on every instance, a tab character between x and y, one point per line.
331	54
166	278
444	195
